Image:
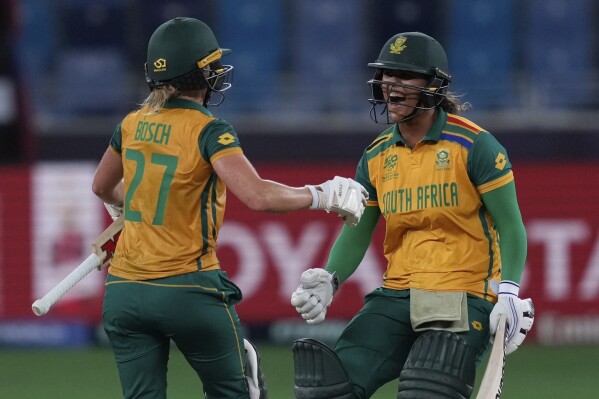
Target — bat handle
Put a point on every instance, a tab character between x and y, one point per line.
43	305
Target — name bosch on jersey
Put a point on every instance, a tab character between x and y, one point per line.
157	132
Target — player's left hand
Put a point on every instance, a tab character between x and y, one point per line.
312	298
519	314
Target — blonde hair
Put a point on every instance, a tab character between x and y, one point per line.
452	103
158	97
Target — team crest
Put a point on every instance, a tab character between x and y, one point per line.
399	45
443	160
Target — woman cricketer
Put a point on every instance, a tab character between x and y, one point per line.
445	189
168	166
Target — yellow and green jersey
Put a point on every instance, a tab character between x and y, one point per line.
174	202
439	235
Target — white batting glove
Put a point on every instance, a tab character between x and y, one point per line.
519	312
341	195
114	210
315	294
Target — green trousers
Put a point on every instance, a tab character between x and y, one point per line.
375	344
193	310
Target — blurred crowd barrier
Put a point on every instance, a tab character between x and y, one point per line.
301	64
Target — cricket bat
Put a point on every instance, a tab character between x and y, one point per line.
492	382
102	250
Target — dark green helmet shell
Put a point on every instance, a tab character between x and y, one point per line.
180	46
414	52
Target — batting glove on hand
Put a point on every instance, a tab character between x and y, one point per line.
114	210
519	313
315	294
341	195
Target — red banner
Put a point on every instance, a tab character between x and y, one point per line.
266	253
561	213
15	241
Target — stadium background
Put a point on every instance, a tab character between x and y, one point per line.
70	69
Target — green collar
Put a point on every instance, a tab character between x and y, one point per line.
186	104
433	134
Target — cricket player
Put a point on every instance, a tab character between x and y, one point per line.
167	167
445	189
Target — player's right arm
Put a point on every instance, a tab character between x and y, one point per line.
108	180
258	194
343	196
219	145
107	184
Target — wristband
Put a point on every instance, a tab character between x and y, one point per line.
507	287
318	198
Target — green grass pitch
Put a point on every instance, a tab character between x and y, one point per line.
531	372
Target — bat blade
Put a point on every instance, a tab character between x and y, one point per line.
492	382
102	250
105	244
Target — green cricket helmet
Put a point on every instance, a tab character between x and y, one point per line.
184	53
410	55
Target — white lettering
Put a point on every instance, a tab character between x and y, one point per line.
557	236
252	265
291	260
369	274
589	287
556	329
290	251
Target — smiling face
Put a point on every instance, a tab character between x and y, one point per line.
402	93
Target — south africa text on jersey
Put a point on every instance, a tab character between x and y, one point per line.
421	197
157	132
